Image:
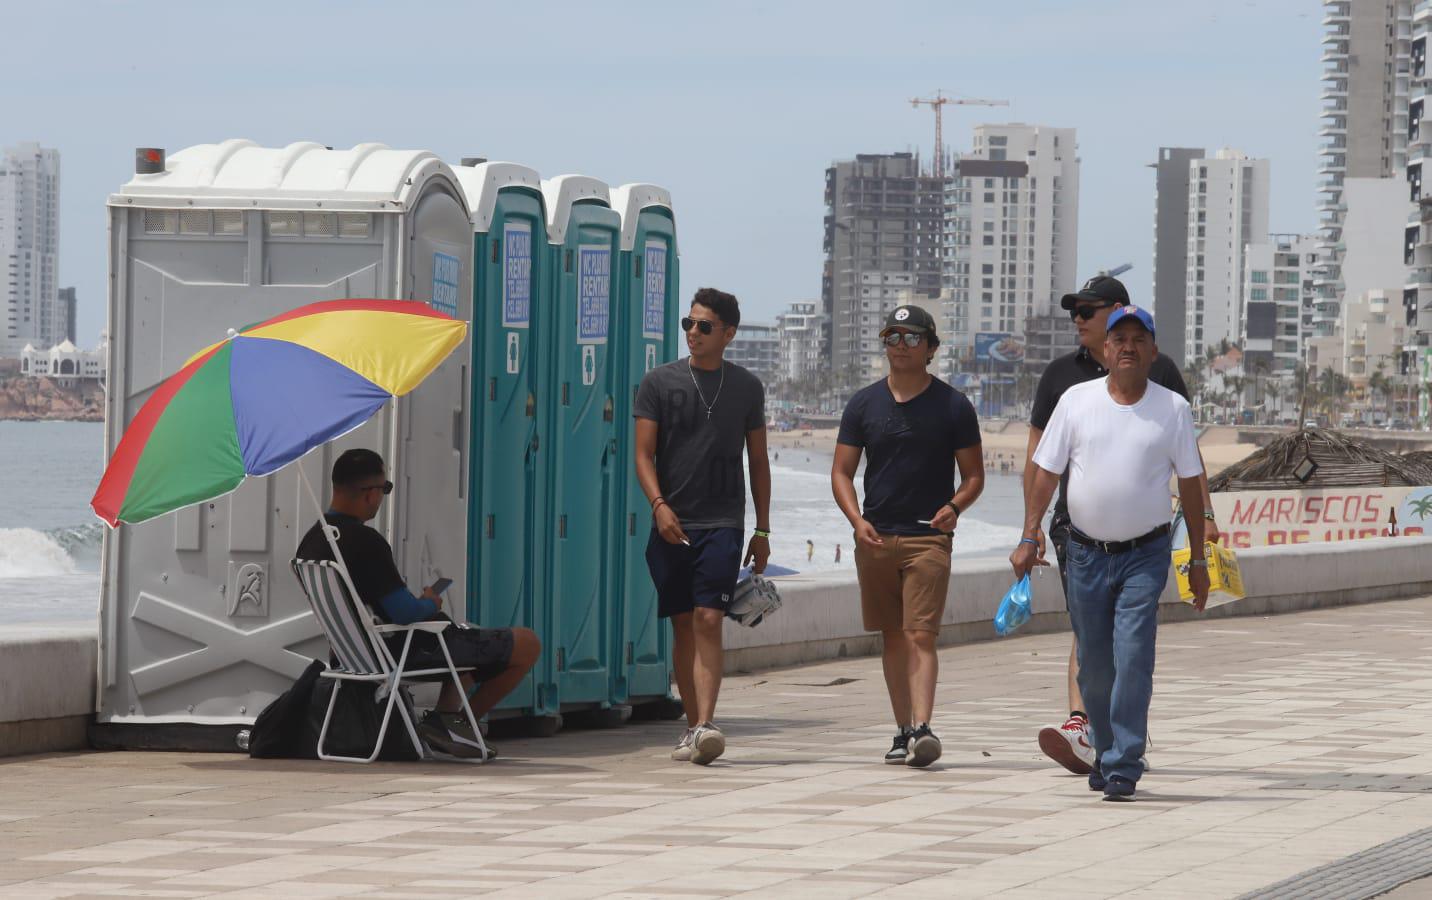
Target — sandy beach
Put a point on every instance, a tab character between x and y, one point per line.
1005	444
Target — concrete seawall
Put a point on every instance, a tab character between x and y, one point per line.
820	615
47	687
47	672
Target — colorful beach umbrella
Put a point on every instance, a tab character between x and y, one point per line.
266	395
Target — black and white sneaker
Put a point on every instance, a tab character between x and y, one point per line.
900	748
436	732
924	747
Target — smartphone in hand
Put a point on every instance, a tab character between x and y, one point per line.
441	585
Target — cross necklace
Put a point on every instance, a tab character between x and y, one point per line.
722	383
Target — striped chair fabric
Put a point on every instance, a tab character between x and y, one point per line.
345	622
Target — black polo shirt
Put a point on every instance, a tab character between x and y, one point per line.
1077	368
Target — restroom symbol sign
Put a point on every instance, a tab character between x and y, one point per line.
514	352
589	364
650	357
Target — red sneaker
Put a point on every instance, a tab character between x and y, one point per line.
1068	745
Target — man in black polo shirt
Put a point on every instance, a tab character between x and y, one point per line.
1089	307
499	657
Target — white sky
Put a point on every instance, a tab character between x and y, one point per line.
736	107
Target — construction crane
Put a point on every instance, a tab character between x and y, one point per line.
938	103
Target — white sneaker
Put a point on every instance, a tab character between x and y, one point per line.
682	753
707	744
1069	745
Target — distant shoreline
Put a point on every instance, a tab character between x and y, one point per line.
45	418
1007	442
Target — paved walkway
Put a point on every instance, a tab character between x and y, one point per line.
1252	719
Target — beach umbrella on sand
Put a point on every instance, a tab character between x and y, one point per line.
266	395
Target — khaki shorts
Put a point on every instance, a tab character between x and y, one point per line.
903	582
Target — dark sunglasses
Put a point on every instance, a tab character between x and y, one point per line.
386	487
894	338
702	325
1088	311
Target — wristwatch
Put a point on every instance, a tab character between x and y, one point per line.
953	505
1201	563
1208	514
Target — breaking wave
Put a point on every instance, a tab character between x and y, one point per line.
30	553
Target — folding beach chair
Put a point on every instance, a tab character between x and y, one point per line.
356	639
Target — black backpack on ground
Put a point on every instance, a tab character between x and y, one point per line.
288	727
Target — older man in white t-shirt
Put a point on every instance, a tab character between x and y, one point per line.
1122	438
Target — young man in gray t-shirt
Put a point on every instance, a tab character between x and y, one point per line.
694	417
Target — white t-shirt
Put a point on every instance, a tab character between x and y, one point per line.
1120	458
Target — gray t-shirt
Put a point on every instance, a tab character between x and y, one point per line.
698	457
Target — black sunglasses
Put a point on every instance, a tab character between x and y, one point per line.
386	487
702	325
1088	311
895	337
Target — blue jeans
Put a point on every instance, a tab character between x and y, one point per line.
1113	606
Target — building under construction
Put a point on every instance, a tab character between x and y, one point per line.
883	226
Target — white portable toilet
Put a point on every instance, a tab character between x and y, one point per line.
202	623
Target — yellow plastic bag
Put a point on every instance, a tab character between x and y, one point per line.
1225	581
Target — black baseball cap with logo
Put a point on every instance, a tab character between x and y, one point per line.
1099	289
912	317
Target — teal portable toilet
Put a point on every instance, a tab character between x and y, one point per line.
507	475
648	309
575	335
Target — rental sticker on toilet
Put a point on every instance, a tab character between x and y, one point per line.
516	275
447	272
653	292
594	294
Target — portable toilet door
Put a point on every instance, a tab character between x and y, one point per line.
509	261
201	620
647	317
576	329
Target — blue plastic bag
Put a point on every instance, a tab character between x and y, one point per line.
1013	609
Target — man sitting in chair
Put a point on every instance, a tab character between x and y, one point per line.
498	657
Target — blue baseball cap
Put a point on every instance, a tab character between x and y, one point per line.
1142	316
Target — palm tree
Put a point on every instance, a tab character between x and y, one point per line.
1333	386
1379	385
1261	369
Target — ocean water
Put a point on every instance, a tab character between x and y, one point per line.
50	539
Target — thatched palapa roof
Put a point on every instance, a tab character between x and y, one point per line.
1342	462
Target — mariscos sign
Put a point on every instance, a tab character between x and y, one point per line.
1261	518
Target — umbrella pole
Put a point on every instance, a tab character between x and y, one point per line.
329	531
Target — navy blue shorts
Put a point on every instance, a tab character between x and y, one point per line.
703	574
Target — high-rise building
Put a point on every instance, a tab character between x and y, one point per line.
1170	285
1416	354
1227	208
65	315
882	237
1011	236
29	248
1278	294
756	347
801	338
1366	85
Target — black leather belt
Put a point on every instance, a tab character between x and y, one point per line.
1112	547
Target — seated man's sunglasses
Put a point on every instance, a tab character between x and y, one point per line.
386	487
894	338
702	325
1088	311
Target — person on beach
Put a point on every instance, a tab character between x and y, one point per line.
810	550
837	553
1089	308
1119	438
694	417
499	657
916	430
